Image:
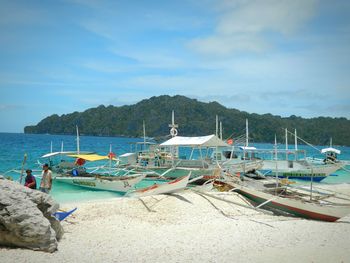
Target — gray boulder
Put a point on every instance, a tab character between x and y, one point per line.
26	218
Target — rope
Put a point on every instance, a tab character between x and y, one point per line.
232	202
304	141
340	166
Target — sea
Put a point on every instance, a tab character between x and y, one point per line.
14	146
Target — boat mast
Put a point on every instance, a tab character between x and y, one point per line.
330	143
296	143
286	143
276	164
173	133
246	133
78	140
220	130
110	158
173	126
217	126
144	135
60	153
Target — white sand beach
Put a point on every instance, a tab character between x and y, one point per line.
188	227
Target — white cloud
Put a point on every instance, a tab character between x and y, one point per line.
242	25
257	16
227	44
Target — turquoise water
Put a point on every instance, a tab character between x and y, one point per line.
14	146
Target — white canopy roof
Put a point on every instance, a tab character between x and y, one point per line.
127	154
330	149
247	148
201	141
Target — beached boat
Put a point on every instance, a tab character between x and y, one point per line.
165	188
292	200
104	177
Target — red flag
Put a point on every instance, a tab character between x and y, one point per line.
79	161
111	155
230	141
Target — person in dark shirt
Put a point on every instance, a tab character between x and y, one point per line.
30	181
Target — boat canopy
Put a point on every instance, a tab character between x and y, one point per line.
247	148
330	149
62	153
91	157
201	141
127	154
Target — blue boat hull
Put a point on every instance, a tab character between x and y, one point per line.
296	176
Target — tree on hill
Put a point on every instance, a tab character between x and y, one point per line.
195	118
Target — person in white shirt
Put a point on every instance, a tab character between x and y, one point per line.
46	179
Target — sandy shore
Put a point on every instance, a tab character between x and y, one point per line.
188	227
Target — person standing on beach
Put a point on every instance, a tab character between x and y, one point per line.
30	181
46	179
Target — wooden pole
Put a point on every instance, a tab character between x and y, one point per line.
276	165
286	131
22	170
78	140
246	133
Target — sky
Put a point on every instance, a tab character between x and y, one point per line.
261	56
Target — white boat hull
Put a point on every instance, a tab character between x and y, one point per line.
297	169
115	184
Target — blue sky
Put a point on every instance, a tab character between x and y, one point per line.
261	56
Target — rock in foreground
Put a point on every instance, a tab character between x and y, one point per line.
26	218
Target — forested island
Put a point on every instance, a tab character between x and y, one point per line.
194	118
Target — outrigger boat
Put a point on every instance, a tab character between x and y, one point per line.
300	169
291	166
286	199
202	155
281	196
102	178
59	162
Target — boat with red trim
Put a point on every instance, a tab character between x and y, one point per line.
281	197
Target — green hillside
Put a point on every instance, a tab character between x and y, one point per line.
194	118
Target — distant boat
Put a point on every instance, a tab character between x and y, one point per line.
331	154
